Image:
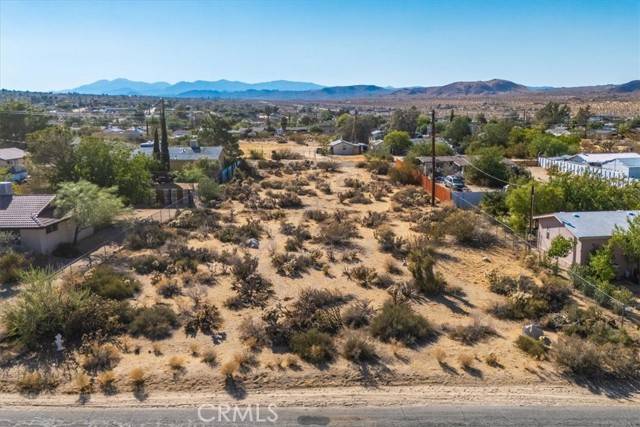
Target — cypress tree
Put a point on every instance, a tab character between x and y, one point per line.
164	143
156	145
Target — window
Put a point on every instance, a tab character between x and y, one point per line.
51	228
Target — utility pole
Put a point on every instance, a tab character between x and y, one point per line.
531	209
433	157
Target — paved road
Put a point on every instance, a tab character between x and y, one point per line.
404	416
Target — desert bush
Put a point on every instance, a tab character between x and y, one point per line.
357	314
358	349
467	229
404	173
591	324
107	382
147	264
176	363
291	265
99	357
399	321
156	322
285	154
252	291
335	233
353	183
392	268
313	346
492	360
317	215
256	155
378	166
532	347
472	333
244	268
205	318
389	242
374	219
466	360
111	284
288	200
440	355
169	288
421	264
146	235
577	356
230	233
328	165
252	331
324	186
137	377
11	266
42	310
34	382
209	357
506	285
83	383
229	369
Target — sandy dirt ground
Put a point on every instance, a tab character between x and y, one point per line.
402	374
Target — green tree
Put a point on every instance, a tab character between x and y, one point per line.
216	132
52	152
423	149
547	199
363	126
458	130
208	189
422	124
560	248
405	120
494	134
487	168
553	113
17	119
398	142
87	204
628	240
582	116
601	264
164	141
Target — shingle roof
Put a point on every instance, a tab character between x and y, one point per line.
185	153
593	224
24	211
11	154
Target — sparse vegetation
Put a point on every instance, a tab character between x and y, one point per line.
399	321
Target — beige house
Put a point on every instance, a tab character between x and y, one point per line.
589	231
341	147
32	217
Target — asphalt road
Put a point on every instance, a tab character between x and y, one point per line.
342	416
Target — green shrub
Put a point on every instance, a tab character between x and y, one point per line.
42	310
532	347
577	356
313	346
11	266
148	264
208	190
420	264
357	314
399	321
205	318
471	334
111	284
155	322
146	235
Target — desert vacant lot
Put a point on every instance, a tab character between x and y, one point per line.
234	276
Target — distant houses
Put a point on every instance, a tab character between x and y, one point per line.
588	230
12	159
33	218
605	165
181	155
341	147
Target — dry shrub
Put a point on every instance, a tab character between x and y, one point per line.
253	332
292	265
169	288
205	318
392	268
472	333
374	219
83	383
328	165
421	265
440	355
209	357
337	233
194	349
492	360
317	215
289	361
176	363
156	348
389	242
358	349
411	197
34	382
137	377
253	291
230	368
155	322
146	235
99	357
466	360
358	314
107	382
399	321
313	346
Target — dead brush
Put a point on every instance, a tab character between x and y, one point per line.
374	219
472	333
34	382
252	331
107	382
209	357
137	377
98	356
83	383
466	360
357	314
176	363
440	355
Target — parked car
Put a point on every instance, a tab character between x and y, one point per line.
454	182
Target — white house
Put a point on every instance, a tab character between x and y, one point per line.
32	217
10	157
346	148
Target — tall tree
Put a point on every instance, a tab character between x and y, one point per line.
629	241
164	143
17	119
398	142
552	114
216	131
87	204
405	120
156	145
283	123
52	153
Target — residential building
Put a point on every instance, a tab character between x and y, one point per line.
588	230
181	156
10	157
558	131
607	165
33	218
345	148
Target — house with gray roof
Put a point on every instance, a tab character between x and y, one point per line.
346	148
182	155
10	157
589	231
32	217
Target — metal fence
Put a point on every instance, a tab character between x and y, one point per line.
615	176
110	246
523	244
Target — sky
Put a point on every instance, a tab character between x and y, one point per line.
55	45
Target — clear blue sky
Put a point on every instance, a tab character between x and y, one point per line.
51	45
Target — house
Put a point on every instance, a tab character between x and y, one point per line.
10	157
33	218
377	135
598	159
181	156
558	131
588	230
345	148
628	167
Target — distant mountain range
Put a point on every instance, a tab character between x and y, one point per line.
290	90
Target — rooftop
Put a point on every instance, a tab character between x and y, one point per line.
185	153
605	157
593	224
7	154
34	211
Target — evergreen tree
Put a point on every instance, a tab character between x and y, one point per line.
156	145
164	143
